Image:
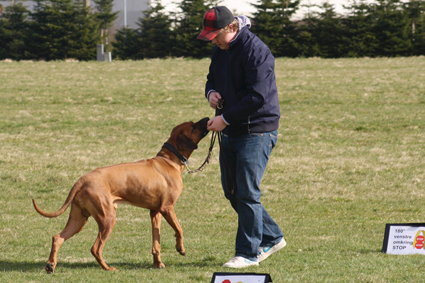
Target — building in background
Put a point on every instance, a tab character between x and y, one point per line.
129	10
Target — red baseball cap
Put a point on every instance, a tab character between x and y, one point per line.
214	20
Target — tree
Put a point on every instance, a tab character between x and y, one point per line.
14	33
272	24
156	37
127	44
392	29
63	29
359	22
188	26
105	17
153	38
330	33
306	43
416	11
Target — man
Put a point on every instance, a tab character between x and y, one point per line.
242	74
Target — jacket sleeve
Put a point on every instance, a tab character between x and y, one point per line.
210	85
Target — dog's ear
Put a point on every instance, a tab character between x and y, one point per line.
184	143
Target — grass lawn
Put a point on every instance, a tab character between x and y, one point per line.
350	158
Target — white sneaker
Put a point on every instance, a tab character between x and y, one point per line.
265	252
239	262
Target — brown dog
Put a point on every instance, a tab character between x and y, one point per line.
155	184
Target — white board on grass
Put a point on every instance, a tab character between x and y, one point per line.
404	239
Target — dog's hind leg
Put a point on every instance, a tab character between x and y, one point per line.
171	218
76	222
156	234
106	221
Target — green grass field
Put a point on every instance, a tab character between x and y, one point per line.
350	158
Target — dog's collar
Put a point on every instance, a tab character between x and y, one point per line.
170	147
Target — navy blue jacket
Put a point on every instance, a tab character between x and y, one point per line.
244	76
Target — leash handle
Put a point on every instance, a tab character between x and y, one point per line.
219	108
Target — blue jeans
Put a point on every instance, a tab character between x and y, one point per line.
243	160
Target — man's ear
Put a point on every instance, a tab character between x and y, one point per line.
184	143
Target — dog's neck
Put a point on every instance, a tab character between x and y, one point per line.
171	157
171	148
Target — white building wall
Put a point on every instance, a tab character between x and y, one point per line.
134	9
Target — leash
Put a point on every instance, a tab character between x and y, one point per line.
219	111
217	136
185	161
214	137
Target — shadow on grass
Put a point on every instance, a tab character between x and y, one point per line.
36	266
32	266
370	251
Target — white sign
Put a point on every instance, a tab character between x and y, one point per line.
403	239
240	278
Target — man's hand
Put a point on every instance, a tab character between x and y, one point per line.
216	124
213	99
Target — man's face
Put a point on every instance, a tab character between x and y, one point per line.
223	39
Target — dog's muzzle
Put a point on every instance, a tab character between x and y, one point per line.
203	126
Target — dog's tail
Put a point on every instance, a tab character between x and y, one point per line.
75	189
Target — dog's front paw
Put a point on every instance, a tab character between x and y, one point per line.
181	250
50	268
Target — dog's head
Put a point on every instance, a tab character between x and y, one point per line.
186	136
